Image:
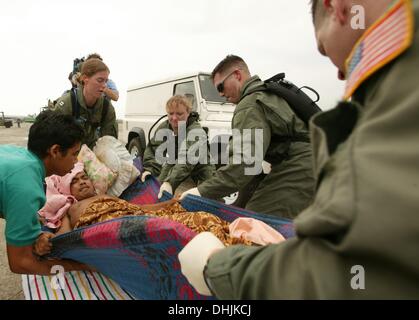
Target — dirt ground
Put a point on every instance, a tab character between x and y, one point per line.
10	283
15	135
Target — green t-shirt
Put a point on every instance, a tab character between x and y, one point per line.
21	194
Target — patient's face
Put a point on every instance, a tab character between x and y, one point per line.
82	187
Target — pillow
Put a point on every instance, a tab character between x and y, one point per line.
101	176
115	156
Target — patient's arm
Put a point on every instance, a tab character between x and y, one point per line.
42	245
65	225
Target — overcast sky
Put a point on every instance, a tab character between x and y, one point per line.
142	41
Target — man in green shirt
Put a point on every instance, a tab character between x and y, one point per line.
53	145
359	239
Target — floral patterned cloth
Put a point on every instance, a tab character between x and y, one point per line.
110	208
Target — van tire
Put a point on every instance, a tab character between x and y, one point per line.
135	148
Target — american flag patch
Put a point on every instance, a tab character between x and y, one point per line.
390	36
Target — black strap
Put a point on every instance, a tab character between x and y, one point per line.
152	127
105	109
302	105
76	107
75	104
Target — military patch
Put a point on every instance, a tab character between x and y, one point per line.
61	103
383	42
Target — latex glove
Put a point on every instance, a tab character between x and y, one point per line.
145	175
266	167
194	256
193	191
165	187
42	245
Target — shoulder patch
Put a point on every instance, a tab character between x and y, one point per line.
388	38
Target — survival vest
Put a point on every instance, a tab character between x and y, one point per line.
303	106
76	108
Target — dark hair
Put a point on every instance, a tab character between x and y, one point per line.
94	56
51	127
229	62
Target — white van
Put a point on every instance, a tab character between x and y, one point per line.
146	103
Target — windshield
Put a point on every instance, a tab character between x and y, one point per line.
208	91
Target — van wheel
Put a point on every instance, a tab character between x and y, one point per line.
135	148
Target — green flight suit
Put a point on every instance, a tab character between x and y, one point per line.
365	213
91	118
176	173
289	187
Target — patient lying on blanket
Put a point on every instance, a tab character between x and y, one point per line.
91	208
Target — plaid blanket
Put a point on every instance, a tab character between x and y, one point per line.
140	253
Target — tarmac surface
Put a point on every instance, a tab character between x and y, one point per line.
10	283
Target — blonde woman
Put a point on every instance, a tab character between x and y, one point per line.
172	174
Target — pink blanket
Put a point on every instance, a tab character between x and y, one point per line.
255	231
59	198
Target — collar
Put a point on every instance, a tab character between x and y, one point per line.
82	102
249	84
40	163
383	42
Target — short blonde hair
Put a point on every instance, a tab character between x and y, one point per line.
179	100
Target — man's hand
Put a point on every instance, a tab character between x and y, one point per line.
165	187
42	245
145	175
194	257
193	191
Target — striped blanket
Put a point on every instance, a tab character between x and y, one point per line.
76	285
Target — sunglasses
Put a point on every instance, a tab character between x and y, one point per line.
220	86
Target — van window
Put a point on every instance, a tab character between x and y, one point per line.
187	89
208	91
